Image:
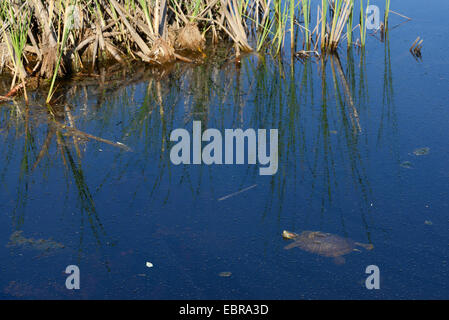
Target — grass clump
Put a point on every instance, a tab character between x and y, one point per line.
53	38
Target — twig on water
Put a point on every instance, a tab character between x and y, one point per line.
238	192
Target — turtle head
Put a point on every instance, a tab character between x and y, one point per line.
289	235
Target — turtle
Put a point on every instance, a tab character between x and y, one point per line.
324	244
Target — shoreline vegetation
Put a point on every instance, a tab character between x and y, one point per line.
51	39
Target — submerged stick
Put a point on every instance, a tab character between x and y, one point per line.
182	58
405	17
12	92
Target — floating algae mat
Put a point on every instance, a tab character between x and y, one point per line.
18	240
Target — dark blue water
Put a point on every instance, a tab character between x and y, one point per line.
345	127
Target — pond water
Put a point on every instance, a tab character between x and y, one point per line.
348	131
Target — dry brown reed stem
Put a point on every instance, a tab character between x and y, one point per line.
155	31
401	15
12	92
416	47
49	41
133	33
21	68
234	21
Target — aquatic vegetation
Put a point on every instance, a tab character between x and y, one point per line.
53	39
387	13
363	23
324	38
306	15
416	47
68	24
292	9
15	23
349	25
263	27
341	15
17	239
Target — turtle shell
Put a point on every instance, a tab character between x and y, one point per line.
324	244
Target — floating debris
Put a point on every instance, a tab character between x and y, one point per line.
236	193
416	47
421	151
17	239
225	274
406	165
149	264
428	222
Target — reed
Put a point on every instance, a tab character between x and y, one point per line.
17	21
68	24
292	9
233	14
281	16
324	8
264	27
350	24
52	38
387	12
363	23
342	10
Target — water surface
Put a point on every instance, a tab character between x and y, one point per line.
348	128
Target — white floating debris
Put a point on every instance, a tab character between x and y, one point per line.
236	193
225	274
149	265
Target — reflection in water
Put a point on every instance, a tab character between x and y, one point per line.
259	94
119	123
33	153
